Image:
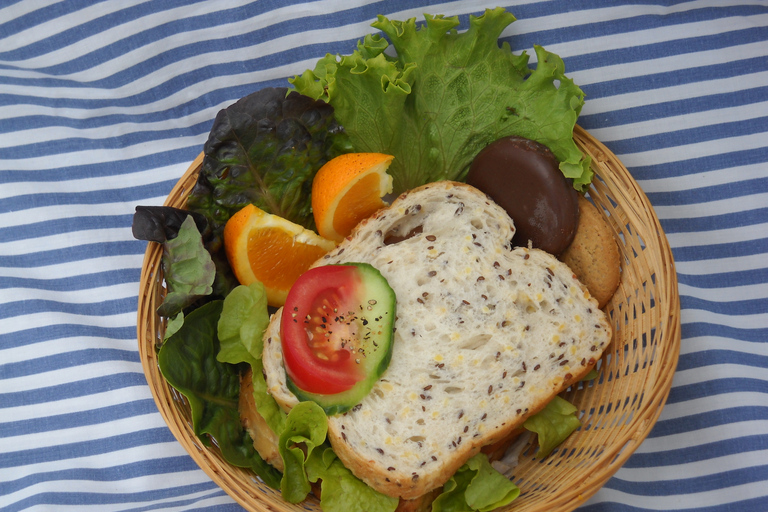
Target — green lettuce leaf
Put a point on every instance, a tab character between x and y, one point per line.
553	424
243	320
188	362
305	430
446	95
340	490
476	486
188	269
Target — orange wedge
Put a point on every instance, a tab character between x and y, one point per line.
270	249
347	190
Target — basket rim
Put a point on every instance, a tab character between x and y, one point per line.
616	181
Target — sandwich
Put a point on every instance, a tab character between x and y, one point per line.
486	335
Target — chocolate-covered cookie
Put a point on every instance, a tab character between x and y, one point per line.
524	178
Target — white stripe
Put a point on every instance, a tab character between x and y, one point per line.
91	295
76	268
721	265
697	469
114	397
101	431
683	501
701	343
61	346
709	208
722	294
59	24
51	319
703	405
695	120
695	150
69	375
718	236
721	371
19	9
705	179
694	438
755	321
65	241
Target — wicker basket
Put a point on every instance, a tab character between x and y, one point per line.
619	408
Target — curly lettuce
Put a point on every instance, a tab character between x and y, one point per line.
445	95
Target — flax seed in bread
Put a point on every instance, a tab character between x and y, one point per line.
485	337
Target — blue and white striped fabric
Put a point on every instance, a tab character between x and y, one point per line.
103	105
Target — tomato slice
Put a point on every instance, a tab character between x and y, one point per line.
322	329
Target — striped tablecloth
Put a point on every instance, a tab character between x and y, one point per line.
103	104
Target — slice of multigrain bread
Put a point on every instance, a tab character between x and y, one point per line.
485	337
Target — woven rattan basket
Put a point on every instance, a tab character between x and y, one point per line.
619	408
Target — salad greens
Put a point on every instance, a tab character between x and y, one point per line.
446	95
188	269
553	424
476	486
187	360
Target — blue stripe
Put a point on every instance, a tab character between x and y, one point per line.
229	507
709	419
730	69
716	387
713	222
703	358
60	146
76	389
725	160
741	188
35	306
722	280
104	169
692	485
712	102
66	360
64	225
719	251
627	26
734	308
87	448
749	505
27	337
699	134
698	453
74	283
82	31
696	329
81	499
107	474
77	419
77	253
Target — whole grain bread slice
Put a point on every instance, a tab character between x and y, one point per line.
485	336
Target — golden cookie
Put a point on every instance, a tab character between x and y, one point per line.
593	255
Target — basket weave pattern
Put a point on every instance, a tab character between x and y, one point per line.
618	408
